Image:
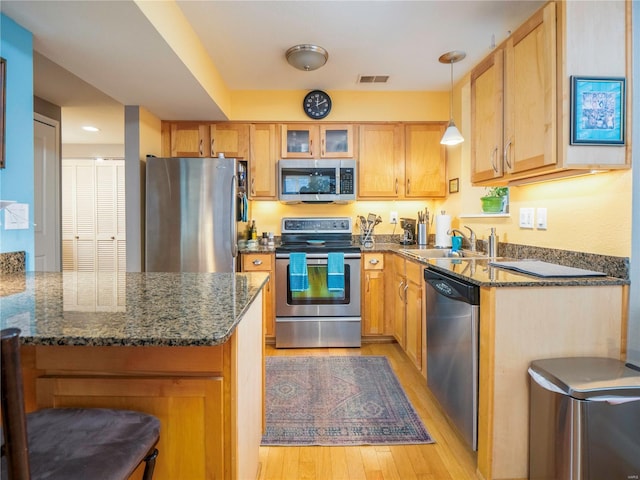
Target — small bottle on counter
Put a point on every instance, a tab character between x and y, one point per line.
493	244
252	231
264	241
271	240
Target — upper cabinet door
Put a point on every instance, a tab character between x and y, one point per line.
230	139
530	94
425	161
381	161
336	141
263	162
300	141
514	104
189	139
487	118
317	141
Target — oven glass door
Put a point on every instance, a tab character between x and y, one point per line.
317	300
318	292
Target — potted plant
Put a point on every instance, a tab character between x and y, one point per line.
493	200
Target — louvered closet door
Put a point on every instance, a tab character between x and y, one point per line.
78	216
94	237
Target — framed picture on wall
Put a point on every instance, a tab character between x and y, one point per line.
3	82
597	110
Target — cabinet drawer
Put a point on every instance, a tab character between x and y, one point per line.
374	261
257	262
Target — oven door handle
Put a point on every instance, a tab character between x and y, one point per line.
321	255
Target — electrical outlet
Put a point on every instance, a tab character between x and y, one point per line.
526	218
541	218
393	218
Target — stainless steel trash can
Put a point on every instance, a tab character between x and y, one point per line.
584	419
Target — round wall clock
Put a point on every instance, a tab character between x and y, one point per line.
317	104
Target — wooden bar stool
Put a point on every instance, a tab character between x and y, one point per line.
69	443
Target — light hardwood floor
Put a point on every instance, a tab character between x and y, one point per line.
446	459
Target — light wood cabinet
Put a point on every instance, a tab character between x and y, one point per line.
425	161
519	325
408	308
373	295
513	103
380	161
264	262
401	161
189	139
414	312
263	161
317	141
521	95
230	139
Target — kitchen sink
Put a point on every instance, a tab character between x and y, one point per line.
425	253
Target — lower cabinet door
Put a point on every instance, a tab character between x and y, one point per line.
190	412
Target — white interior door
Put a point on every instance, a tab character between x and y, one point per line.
46	211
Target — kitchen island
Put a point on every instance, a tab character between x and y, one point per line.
186	347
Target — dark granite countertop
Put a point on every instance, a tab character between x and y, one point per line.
147	309
478	271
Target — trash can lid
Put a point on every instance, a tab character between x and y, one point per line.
586	377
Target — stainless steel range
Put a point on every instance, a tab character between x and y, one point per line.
317	284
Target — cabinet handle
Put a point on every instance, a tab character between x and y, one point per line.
408	186
323	150
399	289
374	261
257	262
367	290
77	237
200	148
396	186
494	157
113	238
253	191
213	154
311	148
507	149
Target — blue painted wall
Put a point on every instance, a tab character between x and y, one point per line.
16	180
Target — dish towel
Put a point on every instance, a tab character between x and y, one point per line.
335	271
245	208
298	275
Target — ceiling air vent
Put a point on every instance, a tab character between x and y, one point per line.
373	78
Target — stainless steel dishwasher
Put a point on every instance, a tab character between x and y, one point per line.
453	311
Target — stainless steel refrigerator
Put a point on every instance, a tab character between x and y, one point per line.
191	216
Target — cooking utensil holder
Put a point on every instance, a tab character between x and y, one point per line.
366	236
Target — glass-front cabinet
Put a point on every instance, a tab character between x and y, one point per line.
317	141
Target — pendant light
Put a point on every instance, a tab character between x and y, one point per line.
452	135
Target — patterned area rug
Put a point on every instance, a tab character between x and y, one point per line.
338	401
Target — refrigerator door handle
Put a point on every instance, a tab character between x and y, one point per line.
234	217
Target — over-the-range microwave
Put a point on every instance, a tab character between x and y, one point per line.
317	181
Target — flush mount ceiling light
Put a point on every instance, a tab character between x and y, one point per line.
307	57
452	135
89	128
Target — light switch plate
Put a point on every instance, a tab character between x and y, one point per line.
541	218
393	218
526	218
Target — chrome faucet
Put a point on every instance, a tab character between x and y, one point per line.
471	239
